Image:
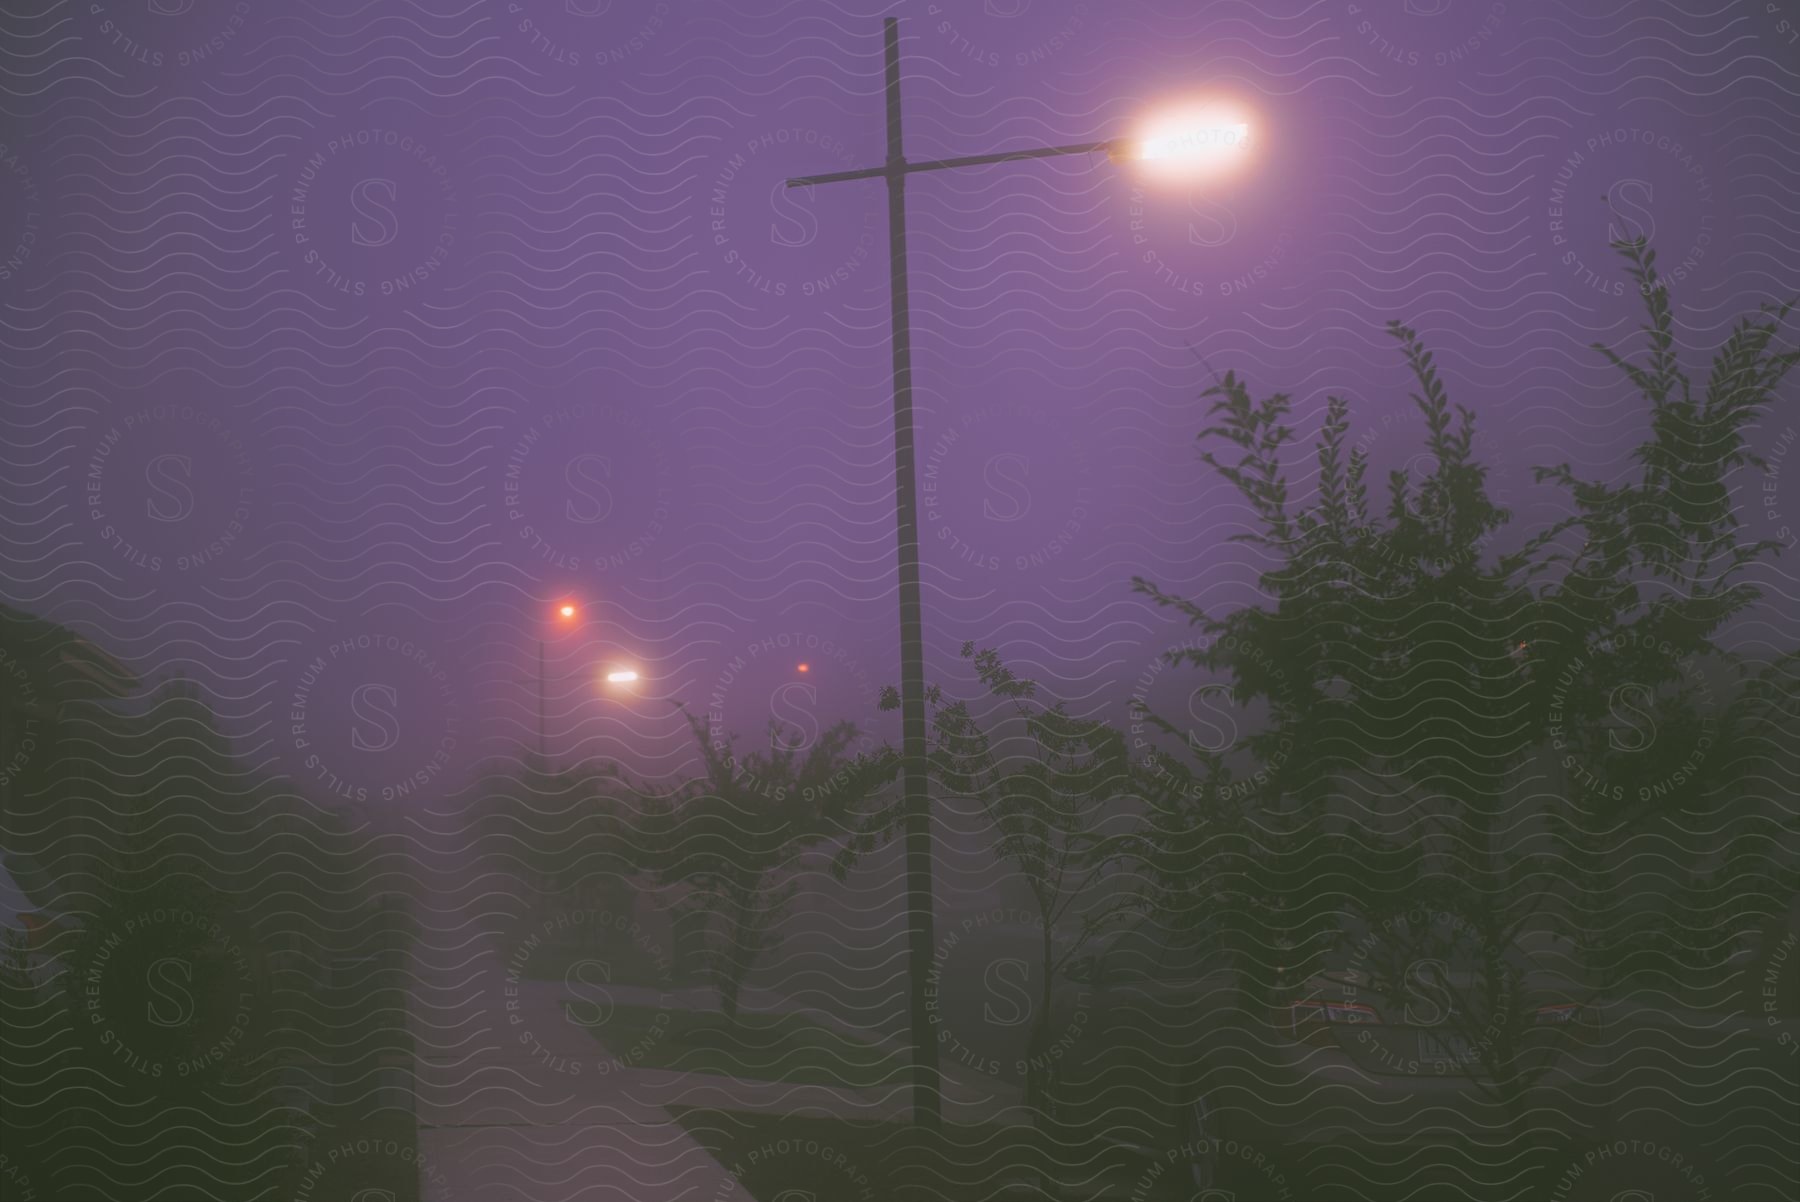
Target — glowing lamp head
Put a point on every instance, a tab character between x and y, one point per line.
567	611
1199	140
622	676
802	668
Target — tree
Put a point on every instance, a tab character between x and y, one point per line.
210	914
732	836
58	734
1060	794
1062	802
1435	683
555	832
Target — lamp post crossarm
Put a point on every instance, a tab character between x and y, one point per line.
971	160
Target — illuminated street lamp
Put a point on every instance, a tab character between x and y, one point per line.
1207	137
565	617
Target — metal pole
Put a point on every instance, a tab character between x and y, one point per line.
919	899
916	799
1113	149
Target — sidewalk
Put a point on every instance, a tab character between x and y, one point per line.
967	1096
502	1119
496	1123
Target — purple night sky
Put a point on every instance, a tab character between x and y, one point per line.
344	339
346	342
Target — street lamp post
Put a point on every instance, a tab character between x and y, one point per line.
916	804
566	614
1195	138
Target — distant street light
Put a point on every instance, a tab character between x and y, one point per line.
1207	137
623	677
566	614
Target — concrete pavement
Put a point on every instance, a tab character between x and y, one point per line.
516	1100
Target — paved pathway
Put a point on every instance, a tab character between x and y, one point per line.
512	1102
503	1119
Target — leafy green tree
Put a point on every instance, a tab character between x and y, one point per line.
1060	794
732	836
560	833
1422	686
209	1000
